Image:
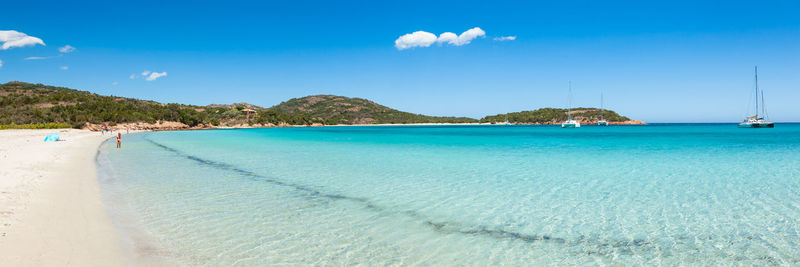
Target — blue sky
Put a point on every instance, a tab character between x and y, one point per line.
670	61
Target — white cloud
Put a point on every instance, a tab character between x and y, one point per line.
462	39
64	67
66	49
155	75
416	39
447	37
505	38
426	39
115	83
149	75
41	58
11	39
1	63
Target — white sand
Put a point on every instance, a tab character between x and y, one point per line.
51	210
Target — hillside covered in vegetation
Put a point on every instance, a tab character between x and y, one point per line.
556	116
332	109
25	105
36	104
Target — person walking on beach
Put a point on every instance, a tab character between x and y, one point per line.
119	140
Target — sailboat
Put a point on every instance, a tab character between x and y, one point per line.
570	123
602	121
755	121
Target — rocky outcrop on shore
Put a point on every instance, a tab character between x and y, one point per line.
589	122
630	122
177	126
158	126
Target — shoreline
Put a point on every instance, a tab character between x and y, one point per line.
51	206
473	124
177	126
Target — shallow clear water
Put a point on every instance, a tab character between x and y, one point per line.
486	195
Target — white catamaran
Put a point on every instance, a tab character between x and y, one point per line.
570	123
602	121
755	121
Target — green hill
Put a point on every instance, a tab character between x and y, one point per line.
38	105
555	116
25	105
332	109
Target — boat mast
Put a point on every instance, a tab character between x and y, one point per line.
601	107
756	92
569	105
763	108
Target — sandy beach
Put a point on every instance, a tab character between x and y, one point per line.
51	209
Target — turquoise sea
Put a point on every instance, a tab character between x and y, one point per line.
669	194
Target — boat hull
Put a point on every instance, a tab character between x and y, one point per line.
570	125
757	125
602	123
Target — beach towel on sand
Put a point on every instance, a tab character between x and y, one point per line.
51	137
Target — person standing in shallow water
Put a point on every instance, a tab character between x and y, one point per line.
119	140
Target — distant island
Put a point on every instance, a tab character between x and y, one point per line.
27	105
